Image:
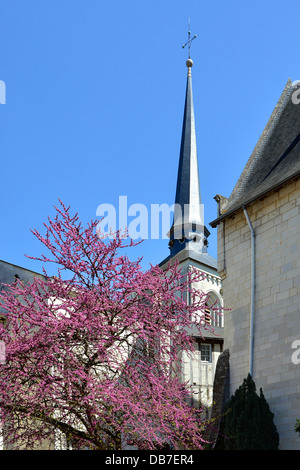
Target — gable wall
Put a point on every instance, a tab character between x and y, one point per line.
276	222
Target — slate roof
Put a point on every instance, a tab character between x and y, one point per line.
188	186
188	233
189	253
275	158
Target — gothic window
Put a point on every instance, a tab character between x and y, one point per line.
213	311
207	316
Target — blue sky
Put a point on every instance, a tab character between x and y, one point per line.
94	103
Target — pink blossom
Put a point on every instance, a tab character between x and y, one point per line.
95	351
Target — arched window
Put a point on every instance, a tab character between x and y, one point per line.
213	310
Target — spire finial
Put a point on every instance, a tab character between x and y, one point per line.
188	43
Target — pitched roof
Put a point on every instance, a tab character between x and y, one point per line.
275	158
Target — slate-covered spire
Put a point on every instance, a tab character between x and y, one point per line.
188	225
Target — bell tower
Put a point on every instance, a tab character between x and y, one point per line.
188	246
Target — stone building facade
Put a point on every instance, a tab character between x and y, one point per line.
199	368
259	263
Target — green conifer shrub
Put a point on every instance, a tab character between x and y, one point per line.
248	421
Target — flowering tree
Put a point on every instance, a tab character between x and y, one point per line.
93	354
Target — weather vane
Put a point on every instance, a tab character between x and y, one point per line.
189	41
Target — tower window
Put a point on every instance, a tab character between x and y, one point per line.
207	316
205	350
213	311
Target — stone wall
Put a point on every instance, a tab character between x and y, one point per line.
276	222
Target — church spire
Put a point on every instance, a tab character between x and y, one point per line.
188	225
